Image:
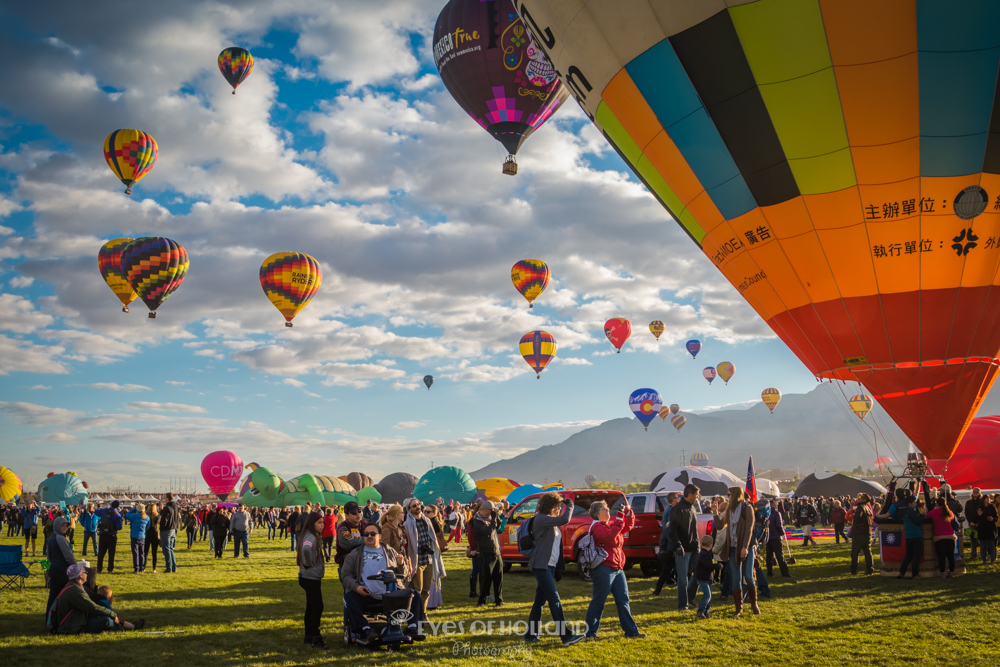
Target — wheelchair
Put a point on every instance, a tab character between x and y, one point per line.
387	617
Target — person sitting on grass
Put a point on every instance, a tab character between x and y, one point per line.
75	612
704	572
105	597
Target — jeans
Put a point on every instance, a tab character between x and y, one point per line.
684	579
192	534
546	592
88	535
272	530
765	590
294	538
138	554
608	580
914	552
314	605
861	543
107	544
740	569
988	549
168	542
775	553
706	596
99	624
328	549
203	531
241	538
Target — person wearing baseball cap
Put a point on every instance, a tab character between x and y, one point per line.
349	533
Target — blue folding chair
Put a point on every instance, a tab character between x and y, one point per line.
12	569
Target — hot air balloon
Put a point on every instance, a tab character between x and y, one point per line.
618	329
590	479
496	487
446	482
154	267
699	459
10	486
495	72
290	280
771	398
726	371
858	232
709	374
530	278
976	462
109	262
130	154
645	404
693	348
221	471
678	422
674	408
235	64
538	348
656	328
664	413
428	380
883	461
861	405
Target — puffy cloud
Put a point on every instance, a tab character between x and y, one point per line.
114	386
410	424
25	356
32	414
164	407
19	315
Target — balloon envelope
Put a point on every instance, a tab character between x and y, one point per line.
446	482
771	397
674	408
976	461
618	330
155	267
726	371
699	459
499	487
10	486
590	479
221	470
396	487
645	405
290	280
693	347
678	421
861	405
709	374
235	64
130	154
530	278
538	348
859	233
656	327
369	493
428	380
109	263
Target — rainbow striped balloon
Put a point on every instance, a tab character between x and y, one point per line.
290	280
538	348
235	64
530	278
130	154
109	262
155	267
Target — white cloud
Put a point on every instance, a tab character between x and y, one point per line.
32	414
294	382
25	356
411	424
164	407
37	386
114	386
21	281
176	383
19	315
356	375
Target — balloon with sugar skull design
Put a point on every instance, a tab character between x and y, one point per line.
618	330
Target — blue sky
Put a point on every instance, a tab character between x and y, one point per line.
343	143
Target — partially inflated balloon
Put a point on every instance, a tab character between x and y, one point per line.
863	233
693	348
10	486
674	408
235	64
154	267
656	328
428	380
618	329
130	154
771	397
494	71
109	262
709	374
530	278
678	421
645	405
861	405
221	471
290	280
726	371
538	348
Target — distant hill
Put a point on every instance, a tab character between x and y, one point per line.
813	431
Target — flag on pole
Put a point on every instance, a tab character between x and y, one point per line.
751	483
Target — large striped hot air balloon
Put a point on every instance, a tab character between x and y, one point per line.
130	154
538	348
290	280
235	64
155	267
10	486
530	278
837	160
109	262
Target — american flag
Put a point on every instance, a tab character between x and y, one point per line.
751	483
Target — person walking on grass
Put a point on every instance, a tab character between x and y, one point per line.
734	523
138	525
774	549
241	528
29	519
664	554
312	569
219	524
944	535
190	525
704	572
88	523
152	545
271	519
609	576
170	522
805	518
861	532
108	525
546	563
913	532
986	527
838	517
683	542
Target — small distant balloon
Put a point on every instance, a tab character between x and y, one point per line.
678	421
674	408
656	328
618	330
530	278
428	380
861	405
771	398
664	413
709	374
538	348
698	459
235	64
645	404
693	347
726	371
590	479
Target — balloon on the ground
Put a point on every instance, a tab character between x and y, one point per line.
522	492
235	64
155	267
726	371
109	263
710	481
496	486
11	487
369	493
884	461
396	487
290	280
861	405
618	330
428	381
709	373
976	462
495	72
446	482
645	404
267	489
829	484
538	348
693	348
530	278
699	459
221	470
65	488
771	398
130	154
358	480
678	421
863	234
656	327
767	487
674	408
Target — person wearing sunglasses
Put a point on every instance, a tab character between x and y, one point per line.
425	554
349	533
360	591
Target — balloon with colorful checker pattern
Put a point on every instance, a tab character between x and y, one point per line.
290	280
155	267
235	64
130	154
109	263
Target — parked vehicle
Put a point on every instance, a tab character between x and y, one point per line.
642	541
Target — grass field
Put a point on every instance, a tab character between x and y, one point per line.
248	612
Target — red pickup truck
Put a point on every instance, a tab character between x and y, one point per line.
642	540
576	528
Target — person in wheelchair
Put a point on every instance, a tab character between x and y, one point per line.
368	592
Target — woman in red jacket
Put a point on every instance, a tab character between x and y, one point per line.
609	577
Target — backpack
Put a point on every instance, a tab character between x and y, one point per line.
50	615
525	538
590	555
106	525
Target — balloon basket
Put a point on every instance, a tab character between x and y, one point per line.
510	166
128	191
152	315
890	562
234	91
531	305
124	309
288	324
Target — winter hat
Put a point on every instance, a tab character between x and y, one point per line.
76	569
115	505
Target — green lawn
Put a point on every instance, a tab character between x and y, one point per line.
239	612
